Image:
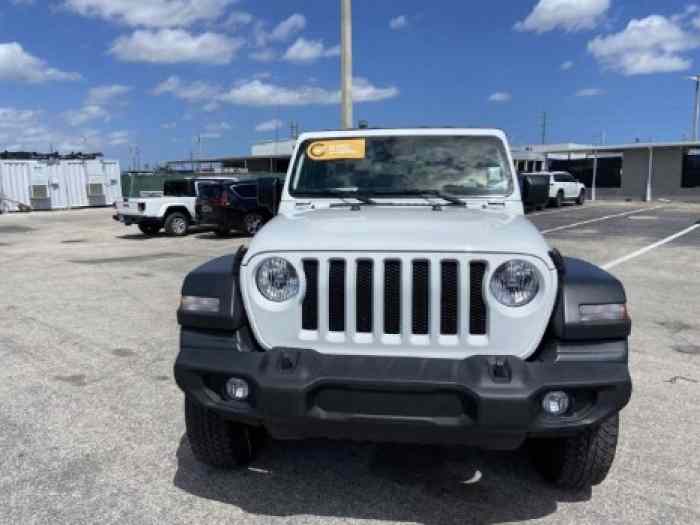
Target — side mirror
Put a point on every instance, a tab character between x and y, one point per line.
269	194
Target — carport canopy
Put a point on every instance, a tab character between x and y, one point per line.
621	149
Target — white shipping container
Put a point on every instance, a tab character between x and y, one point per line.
59	183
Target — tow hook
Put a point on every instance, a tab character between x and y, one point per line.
500	370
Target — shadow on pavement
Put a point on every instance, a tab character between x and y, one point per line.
213	236
428	485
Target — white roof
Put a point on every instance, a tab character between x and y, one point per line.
623	147
403	132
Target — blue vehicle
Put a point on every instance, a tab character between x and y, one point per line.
246	204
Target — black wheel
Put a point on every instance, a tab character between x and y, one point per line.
253	221
222	231
581	198
579	461
218	442
176	224
559	200
149	229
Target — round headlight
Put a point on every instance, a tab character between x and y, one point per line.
277	280
515	283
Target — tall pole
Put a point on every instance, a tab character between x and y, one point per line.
696	116
346	63
544	127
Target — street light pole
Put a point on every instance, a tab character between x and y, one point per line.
346	63
696	108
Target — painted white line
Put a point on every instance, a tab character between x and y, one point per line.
536	214
649	248
599	219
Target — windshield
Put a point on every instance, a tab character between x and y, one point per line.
461	166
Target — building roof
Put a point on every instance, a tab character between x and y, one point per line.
625	147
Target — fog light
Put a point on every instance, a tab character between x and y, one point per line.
237	389
555	403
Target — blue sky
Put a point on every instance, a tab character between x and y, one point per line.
107	74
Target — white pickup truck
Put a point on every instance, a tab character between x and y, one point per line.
174	211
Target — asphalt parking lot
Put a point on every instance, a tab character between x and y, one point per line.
91	423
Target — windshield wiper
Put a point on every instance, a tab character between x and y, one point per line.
455	201
343	195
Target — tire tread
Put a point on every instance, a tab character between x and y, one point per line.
214	440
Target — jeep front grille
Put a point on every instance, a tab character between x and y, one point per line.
404	296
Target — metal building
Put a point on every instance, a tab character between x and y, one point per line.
52	182
645	171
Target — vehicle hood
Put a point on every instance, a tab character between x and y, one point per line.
396	229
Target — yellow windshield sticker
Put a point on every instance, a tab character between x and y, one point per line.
337	149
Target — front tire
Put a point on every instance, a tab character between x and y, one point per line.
579	461
581	198
218	442
176	224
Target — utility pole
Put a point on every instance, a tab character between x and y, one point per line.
544	128
346	63
696	107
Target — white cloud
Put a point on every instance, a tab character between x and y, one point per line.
86	114
12	117
102	94
570	15
118	138
16	64
590	92
238	19
193	92
654	44
27	132
151	13
500	97
308	51
168	125
399	22
264	55
210	135
174	46
567	65
259	93
218	126
282	32
96	103
269	125
22	2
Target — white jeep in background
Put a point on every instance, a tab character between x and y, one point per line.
401	295
563	187
174	211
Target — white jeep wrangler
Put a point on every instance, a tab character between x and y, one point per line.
402	296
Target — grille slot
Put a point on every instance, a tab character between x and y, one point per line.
421	297
449	293
392	297
364	309
309	308
336	296
477	305
396	297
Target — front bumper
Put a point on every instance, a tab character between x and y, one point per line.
304	394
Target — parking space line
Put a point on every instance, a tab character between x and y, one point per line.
599	219
550	212
649	248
